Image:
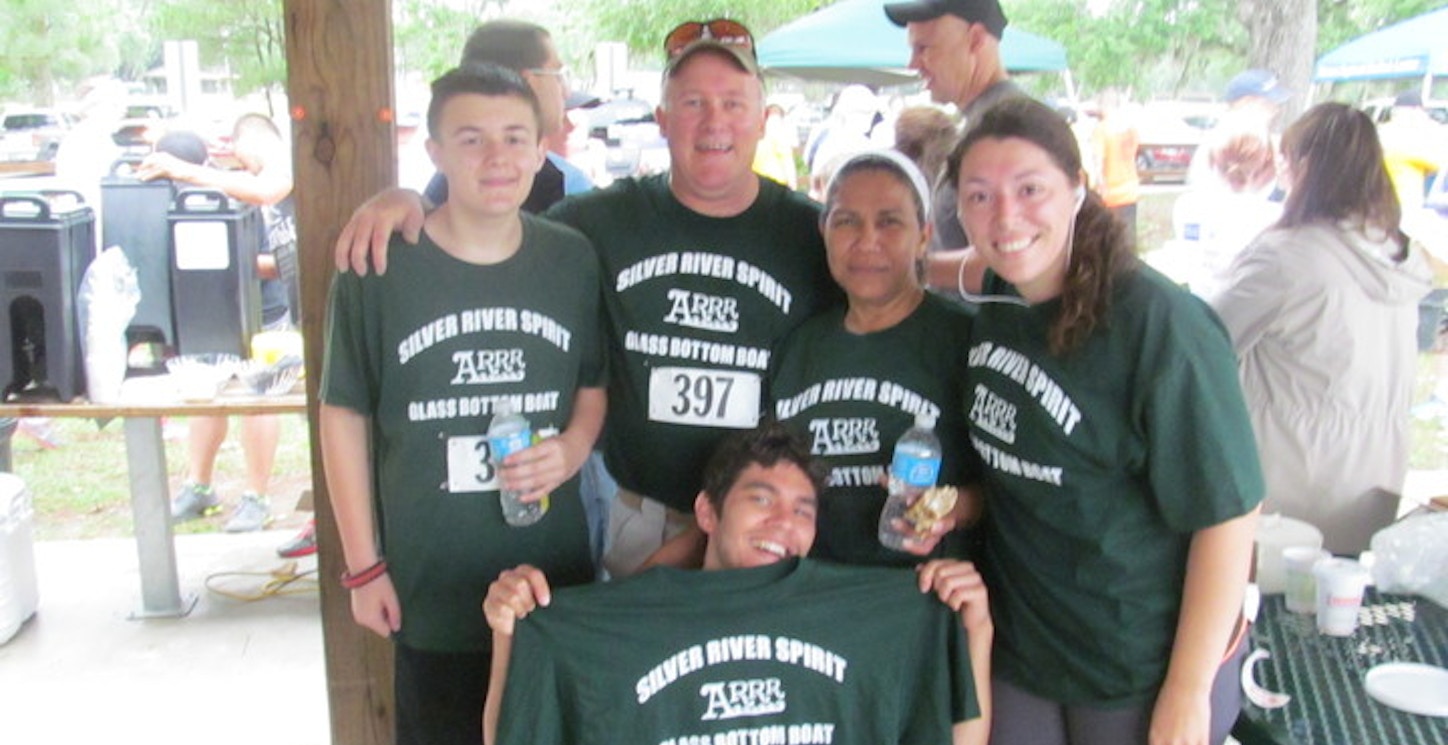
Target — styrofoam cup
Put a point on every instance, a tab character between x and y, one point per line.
1340	585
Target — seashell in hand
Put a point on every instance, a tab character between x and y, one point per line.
933	505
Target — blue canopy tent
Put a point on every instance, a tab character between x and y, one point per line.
852	41
1415	48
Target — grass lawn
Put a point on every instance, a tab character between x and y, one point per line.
80	488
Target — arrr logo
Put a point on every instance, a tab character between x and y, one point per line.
743	698
698	310
483	366
994	414
846	436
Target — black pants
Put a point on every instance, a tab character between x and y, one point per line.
440	696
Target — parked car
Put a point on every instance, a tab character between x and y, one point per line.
1381	110
1168	134
627	128
32	134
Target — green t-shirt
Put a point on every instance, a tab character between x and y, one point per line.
426	351
854	395
1099	466
695	304
676	657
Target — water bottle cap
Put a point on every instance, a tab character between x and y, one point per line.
925	420
504	407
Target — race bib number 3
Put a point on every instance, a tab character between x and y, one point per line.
704	398
468	467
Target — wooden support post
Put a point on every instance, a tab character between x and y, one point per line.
339	69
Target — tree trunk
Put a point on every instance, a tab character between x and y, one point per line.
1283	37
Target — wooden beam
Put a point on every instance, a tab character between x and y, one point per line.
339	83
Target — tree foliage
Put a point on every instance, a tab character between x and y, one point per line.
642	24
1339	21
245	37
47	48
428	36
1151	47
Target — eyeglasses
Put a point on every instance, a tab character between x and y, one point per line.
561	73
721	30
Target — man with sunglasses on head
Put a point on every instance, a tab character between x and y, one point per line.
706	267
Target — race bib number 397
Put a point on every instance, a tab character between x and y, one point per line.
704	398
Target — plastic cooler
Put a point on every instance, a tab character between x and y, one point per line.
47	239
19	595
134	216
215	296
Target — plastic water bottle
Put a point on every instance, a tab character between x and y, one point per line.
913	469
508	433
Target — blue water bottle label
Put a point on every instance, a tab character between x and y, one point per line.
506	445
914	471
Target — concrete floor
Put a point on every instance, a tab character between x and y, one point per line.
80	671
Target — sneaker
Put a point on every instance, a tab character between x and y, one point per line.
251	514
194	502
303	544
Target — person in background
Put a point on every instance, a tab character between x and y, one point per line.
560	144
264	179
1214	220
757	506
527	49
1323	311
925	134
506	305
775	156
1415	148
706	268
1114	143
1254	101
955	47
1121	485
849	128
88	149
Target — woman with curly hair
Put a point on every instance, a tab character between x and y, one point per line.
1120	478
1323	312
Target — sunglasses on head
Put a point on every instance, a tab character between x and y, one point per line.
721	30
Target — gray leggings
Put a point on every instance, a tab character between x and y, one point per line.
1020	718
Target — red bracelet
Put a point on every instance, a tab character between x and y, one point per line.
353	581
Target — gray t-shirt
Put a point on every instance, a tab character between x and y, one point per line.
948	233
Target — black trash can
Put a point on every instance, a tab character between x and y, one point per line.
44	252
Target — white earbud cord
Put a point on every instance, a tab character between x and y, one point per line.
1016	299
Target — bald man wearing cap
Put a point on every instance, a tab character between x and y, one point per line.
955	46
706	268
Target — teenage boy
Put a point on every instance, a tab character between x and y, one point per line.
707	267
495	306
763	653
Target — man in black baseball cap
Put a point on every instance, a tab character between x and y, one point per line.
955	46
985	12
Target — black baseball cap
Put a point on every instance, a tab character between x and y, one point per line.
987	13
